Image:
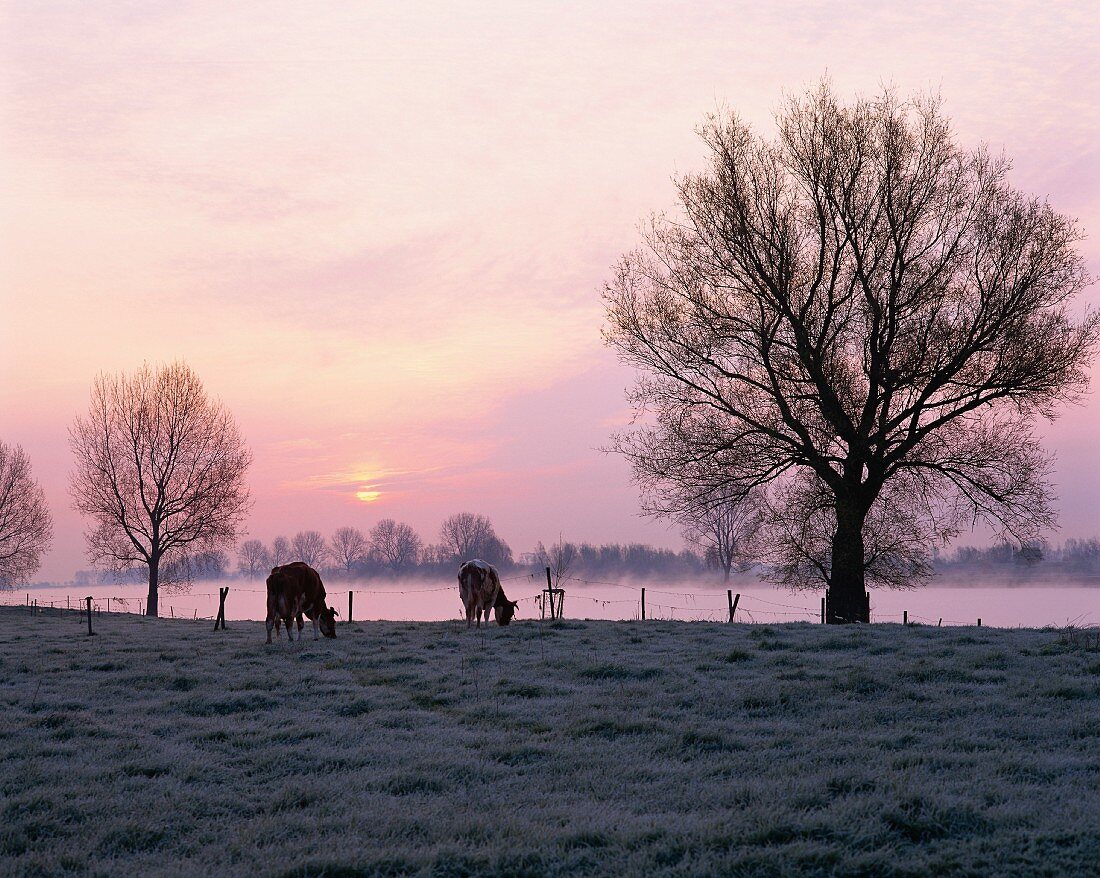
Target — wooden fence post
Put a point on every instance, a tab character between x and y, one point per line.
550	594
220	620
90	631
351	594
643	603
822	610
979	621
904	617
939	623
733	605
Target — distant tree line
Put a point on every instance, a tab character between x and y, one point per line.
392	548
1073	558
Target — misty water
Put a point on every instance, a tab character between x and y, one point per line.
1034	605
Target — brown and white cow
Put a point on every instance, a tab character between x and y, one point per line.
293	590
479	588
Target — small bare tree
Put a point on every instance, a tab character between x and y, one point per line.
252	558
309	546
726	528
25	526
349	547
868	319
395	544
559	557
280	551
160	470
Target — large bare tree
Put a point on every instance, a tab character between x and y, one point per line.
26	529
160	470
864	315
349	547
395	544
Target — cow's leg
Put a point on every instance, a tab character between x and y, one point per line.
270	625
316	625
289	622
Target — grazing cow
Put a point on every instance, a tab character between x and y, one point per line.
293	590
479	588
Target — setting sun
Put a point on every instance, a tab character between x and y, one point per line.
368	496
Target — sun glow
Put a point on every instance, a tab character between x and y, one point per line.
368	496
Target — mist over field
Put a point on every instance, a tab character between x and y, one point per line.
1031	602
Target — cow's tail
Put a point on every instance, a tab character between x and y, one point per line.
494	579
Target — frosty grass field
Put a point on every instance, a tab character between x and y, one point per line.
160	747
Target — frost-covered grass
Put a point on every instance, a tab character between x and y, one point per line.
656	748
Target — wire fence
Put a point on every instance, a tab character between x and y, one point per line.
585	598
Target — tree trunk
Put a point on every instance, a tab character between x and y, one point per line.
154	583
847	595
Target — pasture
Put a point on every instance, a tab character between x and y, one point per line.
161	747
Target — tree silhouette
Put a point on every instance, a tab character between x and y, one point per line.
395	544
280	551
309	546
726	528
26	529
466	535
160	470
863	316
252	558
349	547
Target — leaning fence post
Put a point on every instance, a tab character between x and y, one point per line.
643	603
939	623
90	631
220	620
733	606
350	595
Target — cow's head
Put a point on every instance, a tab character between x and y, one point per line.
327	621
505	611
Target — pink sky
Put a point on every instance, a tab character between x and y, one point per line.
378	231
